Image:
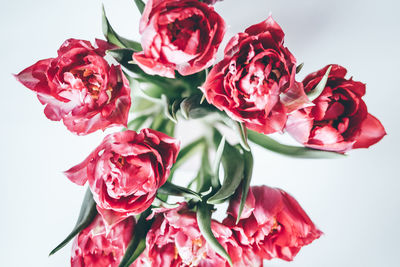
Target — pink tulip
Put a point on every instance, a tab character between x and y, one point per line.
175	240
96	247
339	120
272	223
125	171
181	35
254	83
80	87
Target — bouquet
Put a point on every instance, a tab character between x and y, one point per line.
148	88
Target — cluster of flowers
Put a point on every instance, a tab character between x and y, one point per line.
254	85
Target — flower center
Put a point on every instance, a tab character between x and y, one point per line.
275	227
90	80
180	31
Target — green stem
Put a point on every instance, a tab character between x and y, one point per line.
287	150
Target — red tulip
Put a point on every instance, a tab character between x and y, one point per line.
125	171
182	35
272	223
339	120
80	88
97	247
255	83
175	240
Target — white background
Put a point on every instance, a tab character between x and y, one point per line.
355	200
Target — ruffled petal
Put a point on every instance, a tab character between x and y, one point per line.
268	25
371	132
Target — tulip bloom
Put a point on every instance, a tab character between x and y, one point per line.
80	88
125	171
175	240
181	35
339	120
272	223
97	247
254	83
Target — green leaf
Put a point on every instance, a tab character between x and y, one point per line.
169	128
140	5
202	99
192	108
248	172
138	242
186	152
151	90
167	111
291	151
232	162
162	124
155	84
136	123
116	39
175	107
141	104
299	67
204	176
316	92
86	216
158	122
242	130
175	190
203	215
173	88
124	56
163	203
217	163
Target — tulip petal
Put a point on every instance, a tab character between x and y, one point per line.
34	77
295	98
371	132
268	25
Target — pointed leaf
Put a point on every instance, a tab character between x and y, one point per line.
137	122
204	221
291	151
169	127
204	176
232	161
175	190
175	107
315	93
116	39
162	203
142	103
167	111
217	163
158	122
86	216
185	109
124	56
242	131
140	5
138	241
192	108
188	151
151	90
202	99
184	154
248	172
299	67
